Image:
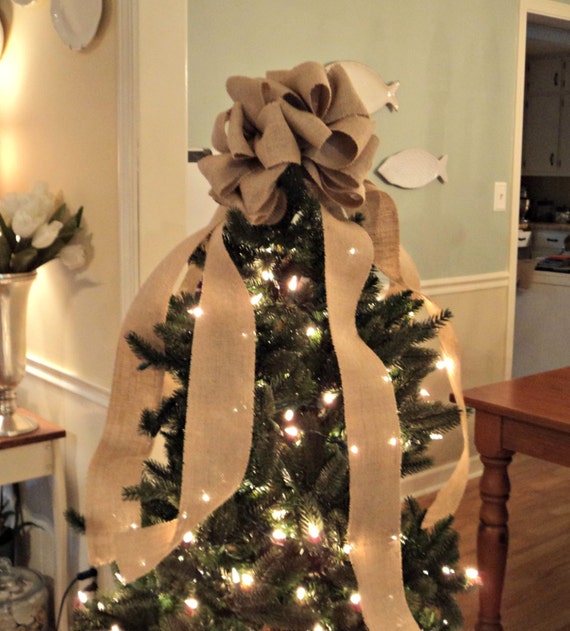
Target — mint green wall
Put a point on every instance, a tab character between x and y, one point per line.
456	62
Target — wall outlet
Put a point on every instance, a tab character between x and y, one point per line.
500	199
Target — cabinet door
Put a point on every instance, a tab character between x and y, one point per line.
544	76
564	138
540	138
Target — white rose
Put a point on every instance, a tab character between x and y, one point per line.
10	204
73	256
29	217
44	199
46	234
28	210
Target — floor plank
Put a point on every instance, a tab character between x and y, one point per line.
536	595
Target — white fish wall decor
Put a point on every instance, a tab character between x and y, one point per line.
373	91
413	168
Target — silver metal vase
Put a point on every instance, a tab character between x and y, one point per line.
14	290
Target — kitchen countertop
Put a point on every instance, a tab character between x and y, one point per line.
561	227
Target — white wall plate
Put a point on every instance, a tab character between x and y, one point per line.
76	21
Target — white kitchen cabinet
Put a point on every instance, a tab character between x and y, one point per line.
547	242
545	75
564	137
541	133
546	135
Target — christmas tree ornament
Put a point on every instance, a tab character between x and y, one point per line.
310	120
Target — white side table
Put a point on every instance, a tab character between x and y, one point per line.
35	455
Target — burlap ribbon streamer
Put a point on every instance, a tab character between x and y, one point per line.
312	117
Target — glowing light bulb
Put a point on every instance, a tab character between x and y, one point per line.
318	627
120	578
445	362
311	330
134	526
205	497
278	535
100	606
436	436
473	576
448	571
424	392
267	274
292	431
314	532
354	449
256	299
278	513
191	603
393	441
188	537
347	548
236	578
82	597
247	579
115	627
293	283
197	312
329	397
355	598
289	415
301	593
352	251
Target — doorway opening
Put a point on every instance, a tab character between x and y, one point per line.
542	168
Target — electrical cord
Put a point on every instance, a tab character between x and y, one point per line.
81	576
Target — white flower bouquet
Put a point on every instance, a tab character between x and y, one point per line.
34	229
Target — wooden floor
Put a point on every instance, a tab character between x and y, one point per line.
536	596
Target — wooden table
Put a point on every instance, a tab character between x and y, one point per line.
34	455
529	415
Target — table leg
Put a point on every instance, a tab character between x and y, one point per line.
60	530
493	538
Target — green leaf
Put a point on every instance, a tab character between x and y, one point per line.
69	228
60	214
24	261
5	254
8	233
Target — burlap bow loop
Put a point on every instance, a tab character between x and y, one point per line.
308	115
308	81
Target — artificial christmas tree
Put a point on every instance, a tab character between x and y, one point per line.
283	550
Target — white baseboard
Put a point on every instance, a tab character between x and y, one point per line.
433	479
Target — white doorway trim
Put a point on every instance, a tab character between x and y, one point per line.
152	135
127	151
557	11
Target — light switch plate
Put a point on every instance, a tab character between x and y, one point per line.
500	199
